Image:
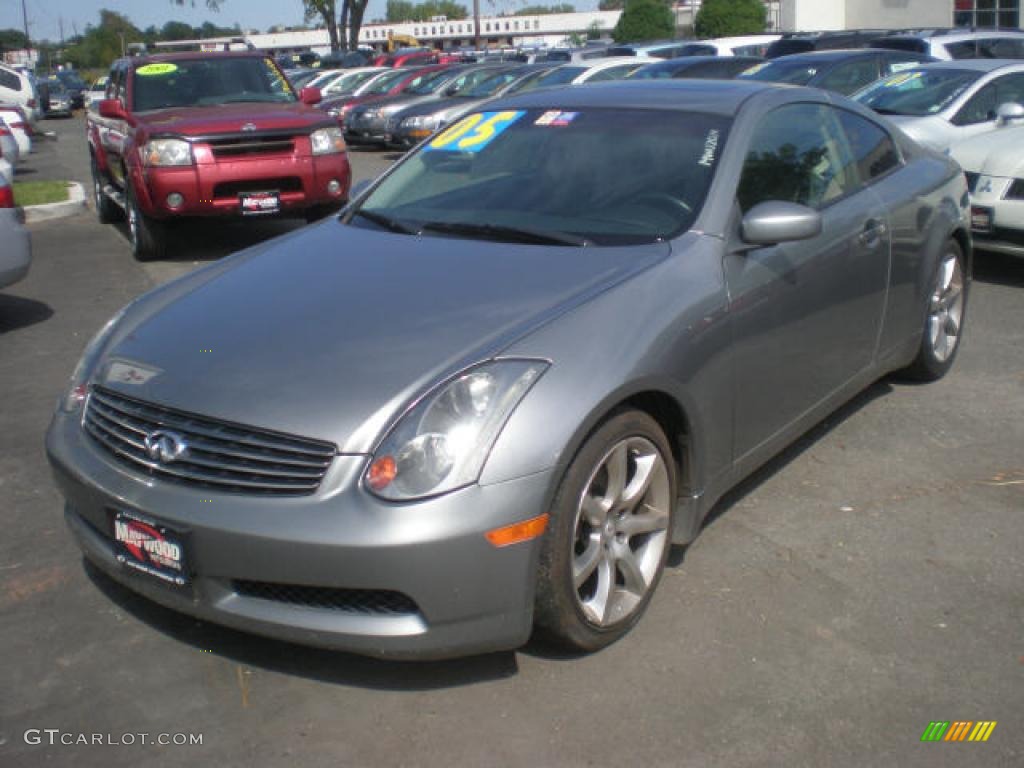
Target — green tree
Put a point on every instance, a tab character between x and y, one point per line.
610	5
540	10
403	10
12	40
722	18
177	30
101	44
644	20
399	11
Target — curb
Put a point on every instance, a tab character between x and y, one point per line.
75	204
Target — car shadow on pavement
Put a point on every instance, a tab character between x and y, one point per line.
325	666
17	312
796	449
208	240
998	269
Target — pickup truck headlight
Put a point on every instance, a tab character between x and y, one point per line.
327	141
442	442
160	152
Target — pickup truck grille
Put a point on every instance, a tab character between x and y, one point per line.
252	145
219	455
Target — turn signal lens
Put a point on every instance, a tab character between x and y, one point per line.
517	532
381	473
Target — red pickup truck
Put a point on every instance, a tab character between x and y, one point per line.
210	134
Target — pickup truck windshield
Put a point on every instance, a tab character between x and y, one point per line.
208	82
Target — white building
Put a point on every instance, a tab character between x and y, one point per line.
806	15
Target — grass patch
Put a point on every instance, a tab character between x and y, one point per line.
39	192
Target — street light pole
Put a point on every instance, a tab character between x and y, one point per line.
476	24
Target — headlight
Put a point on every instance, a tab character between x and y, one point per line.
327	141
77	388
427	122
442	442
167	152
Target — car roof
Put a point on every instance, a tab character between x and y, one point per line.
721	97
830	55
953	37
978	65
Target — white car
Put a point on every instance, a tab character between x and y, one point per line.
96	93
347	80
14	117
593	70
950	44
9	150
16	255
746	45
16	87
948	101
994	164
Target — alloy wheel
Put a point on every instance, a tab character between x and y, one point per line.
621	531
945	311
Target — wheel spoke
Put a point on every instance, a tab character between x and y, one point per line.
598	605
643	522
640	482
616	466
595	511
951	327
632	574
586	562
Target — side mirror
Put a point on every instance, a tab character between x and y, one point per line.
1009	112
310	96
113	109
775	221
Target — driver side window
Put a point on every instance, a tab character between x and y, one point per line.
798	154
982	107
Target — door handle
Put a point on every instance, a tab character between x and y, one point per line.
874	230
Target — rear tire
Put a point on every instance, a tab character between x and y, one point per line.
107	211
943	326
148	237
610	534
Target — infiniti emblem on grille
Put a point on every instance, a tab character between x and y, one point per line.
165	447
249	127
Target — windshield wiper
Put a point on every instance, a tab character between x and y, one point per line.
508	234
392	225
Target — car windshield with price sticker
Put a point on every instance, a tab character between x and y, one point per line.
548	176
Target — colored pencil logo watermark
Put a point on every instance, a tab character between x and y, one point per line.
958	730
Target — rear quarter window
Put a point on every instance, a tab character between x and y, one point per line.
9	80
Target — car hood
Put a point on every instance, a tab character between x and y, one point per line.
931	131
391	104
996	153
330	332
229	118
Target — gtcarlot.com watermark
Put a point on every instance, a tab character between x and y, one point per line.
56	737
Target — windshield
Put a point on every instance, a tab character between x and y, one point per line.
427	83
793	72
348	83
918	92
208	82
386	82
559	76
491	85
601	176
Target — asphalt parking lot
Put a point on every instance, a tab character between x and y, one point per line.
865	583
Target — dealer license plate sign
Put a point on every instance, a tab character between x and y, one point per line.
146	546
259	203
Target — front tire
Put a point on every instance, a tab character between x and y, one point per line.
610	534
148	238
107	211
943	325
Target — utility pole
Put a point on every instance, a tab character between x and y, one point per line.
60	21
476	24
28	40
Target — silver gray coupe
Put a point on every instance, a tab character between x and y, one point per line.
524	362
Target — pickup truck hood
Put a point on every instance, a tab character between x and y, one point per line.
229	118
331	331
996	153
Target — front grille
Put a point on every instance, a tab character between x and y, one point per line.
1016	190
219	455
235	188
254	145
363	601
972	180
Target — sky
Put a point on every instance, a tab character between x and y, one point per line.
45	16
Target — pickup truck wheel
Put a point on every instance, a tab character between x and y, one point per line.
107	210
148	237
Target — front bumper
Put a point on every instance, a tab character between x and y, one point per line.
467	596
997	216
212	187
